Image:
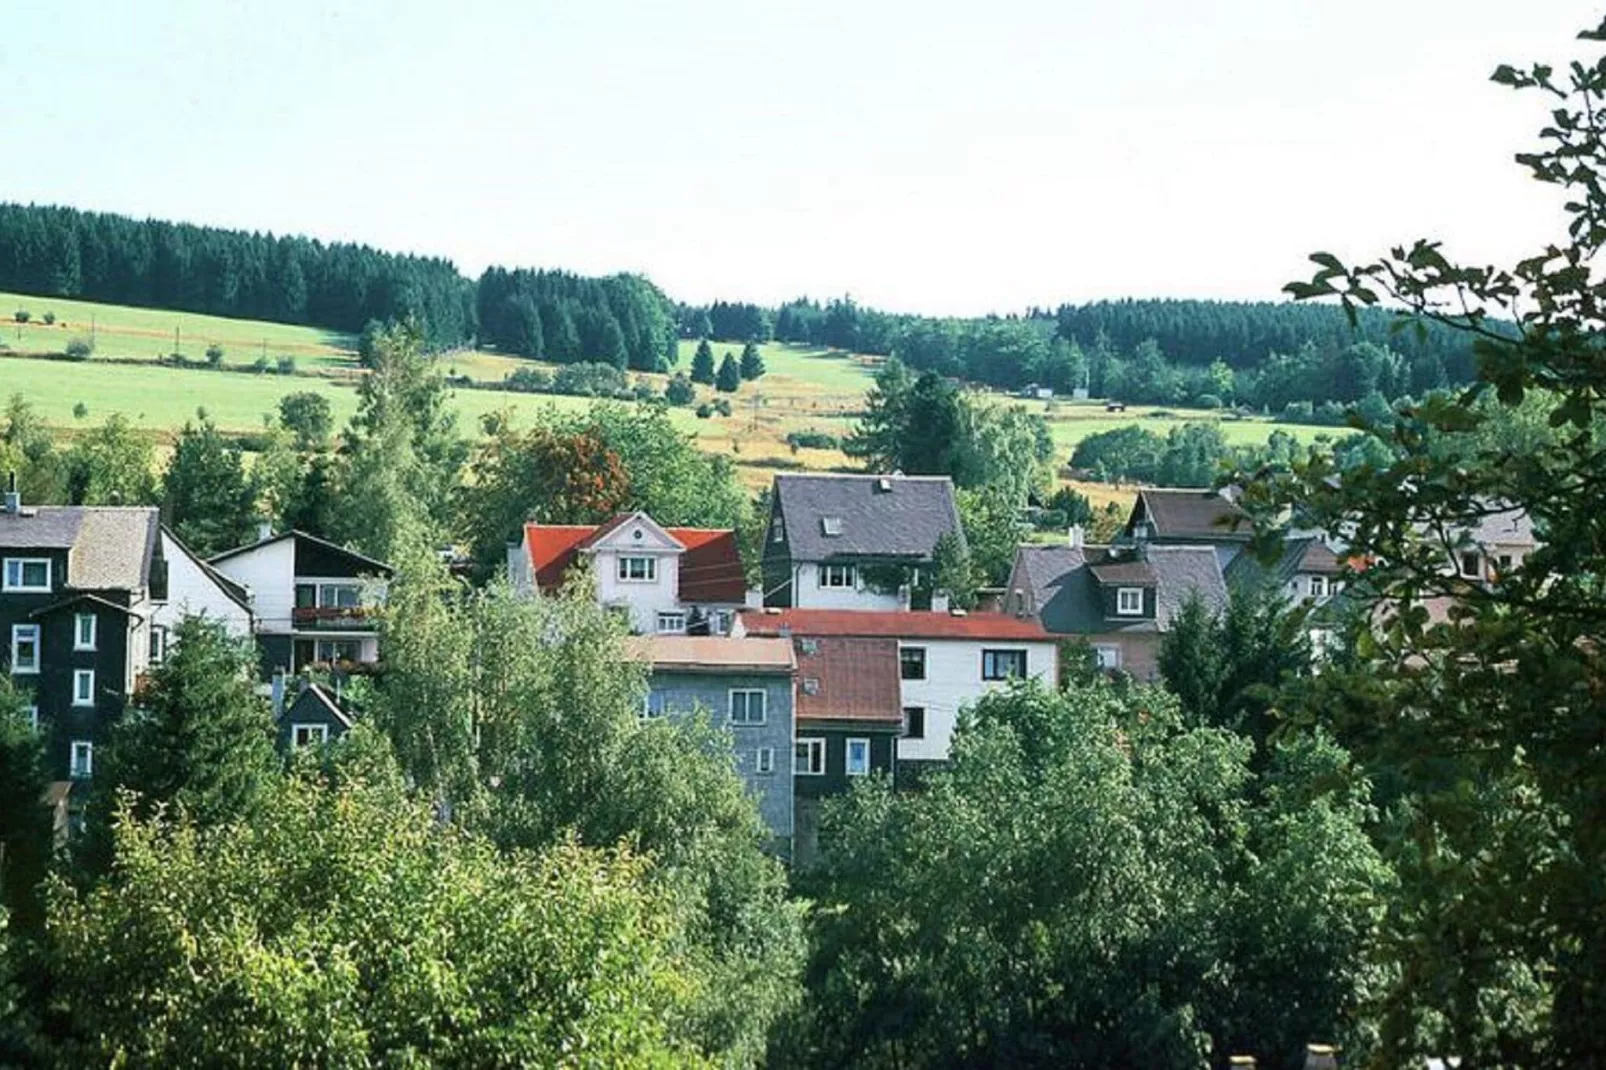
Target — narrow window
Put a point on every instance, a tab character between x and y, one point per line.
1129	601
1318	586
914	722
1470	566
24	648
33	719
84	631
912	662
858	757
808	757
764	761
747	707
83	687
158	645
83	759
1002	664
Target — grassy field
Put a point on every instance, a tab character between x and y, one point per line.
804	389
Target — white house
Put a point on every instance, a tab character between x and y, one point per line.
946	660
195	589
667	580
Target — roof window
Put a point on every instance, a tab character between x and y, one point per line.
831	525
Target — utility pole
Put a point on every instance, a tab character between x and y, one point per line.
178	349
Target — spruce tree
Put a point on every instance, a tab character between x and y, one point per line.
752	362
702	364
730	374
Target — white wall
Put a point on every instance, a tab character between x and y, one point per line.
953	679
193	593
643	597
808	594
268	572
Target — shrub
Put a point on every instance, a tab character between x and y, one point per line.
1207	401
643	390
22	315
214	356
287	365
722	406
680	390
704	411
1296	412
813	440
50	319
588	379
527	381
261	366
80	348
79	411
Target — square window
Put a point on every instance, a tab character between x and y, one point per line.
912	662
653	705
307	735
83	634
747	707
24	648
306	596
83	759
808	757
1002	664
27	575
638	569
1109	657
858	757
671	623
1129	601
836	576
83	687
1318	586
764	761
914	722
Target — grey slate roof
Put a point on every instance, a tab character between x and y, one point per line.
109	547
905	521
1306	553
1061	587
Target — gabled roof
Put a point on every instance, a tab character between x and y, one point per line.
314	702
710	564
361	560
80	598
1509	527
847	678
1301	554
874	516
712	654
108	547
1189	513
1061	587
235	592
893	624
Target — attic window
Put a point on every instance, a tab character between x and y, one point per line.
1129	601
809	646
884	485
831	525
811	686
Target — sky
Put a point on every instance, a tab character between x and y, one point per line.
933	157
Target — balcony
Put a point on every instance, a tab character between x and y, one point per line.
333	618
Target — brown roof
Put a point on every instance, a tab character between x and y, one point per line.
1189	513
847	678
1318	557
712	653
892	624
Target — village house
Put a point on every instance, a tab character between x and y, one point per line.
747	687
945	661
87	597
1185	516
1119	600
313	601
855	542
667	581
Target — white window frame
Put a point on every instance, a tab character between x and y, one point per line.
328	591
1477	564
158	650
813	746
31	668
649	571
15	570
299	727
1107	657
79	642
33	719
747	707
847	756
653	705
831	526
79	678
85	769
676	623
1122	609
924	659
764	761
838	577
1025	662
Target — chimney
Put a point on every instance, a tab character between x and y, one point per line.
1321	1057
939	601
264	529
1077	537
13	499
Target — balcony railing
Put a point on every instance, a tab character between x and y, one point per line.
332	617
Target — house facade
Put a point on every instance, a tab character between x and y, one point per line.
747	687
81	592
854	542
312	602
1119	600
946	661
669	581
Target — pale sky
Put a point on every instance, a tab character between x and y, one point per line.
946	158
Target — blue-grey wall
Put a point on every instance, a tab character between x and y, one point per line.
680	693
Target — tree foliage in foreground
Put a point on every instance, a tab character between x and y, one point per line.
1091	884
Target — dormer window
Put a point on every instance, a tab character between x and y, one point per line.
27	575
1129	601
831	525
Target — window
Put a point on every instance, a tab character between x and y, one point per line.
158	645
33	719
306	596
27	574
333	650
836	575
912	662
1002	664
83	687
1503	563
914	722
24	648
1109	657
652	706
307	735
1470	565
83	631
720	621
858	757
339	596
638	569
672	623
1129	601
1318	586
808	757
747	707
83	759
764	761
831	526
778	531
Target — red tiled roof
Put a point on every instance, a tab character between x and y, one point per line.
894	625
846	678
710	569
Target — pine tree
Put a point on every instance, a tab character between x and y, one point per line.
752	362
207	499
702	364
730	374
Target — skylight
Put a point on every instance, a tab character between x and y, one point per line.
831	525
